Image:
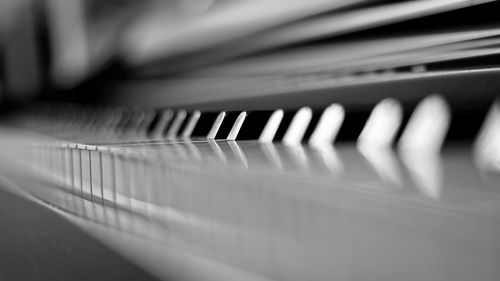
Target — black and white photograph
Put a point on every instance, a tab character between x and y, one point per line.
250	140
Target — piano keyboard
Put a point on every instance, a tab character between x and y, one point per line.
250	140
263	191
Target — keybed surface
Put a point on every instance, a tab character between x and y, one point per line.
279	194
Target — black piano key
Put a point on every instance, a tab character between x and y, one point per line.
407	111
176	124
204	124
165	129
354	122
192	117
124	120
254	124
147	120
466	122
312	124
227	124
325	130
285	123
137	116
161	123
154	122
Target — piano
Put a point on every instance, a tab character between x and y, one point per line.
250	140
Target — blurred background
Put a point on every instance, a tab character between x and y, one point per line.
184	52
125	78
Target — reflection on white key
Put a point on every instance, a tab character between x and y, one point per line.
165	118
428	125
188	130
383	123
328	126
271	127
329	157
298	155
383	161
216	126
272	155
426	171
487	144
176	125
237	126
180	151
298	126
238	153
217	151
193	151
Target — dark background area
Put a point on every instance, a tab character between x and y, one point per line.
38	244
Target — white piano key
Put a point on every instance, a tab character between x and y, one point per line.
86	171
72	168
383	123
51	159
54	160
215	127
237	126
89	150
48	160
193	120
176	125
428	125
298	126
108	173
60	163
123	177
101	175
67	169
328	126
271	127
80	169
95	171
137	182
